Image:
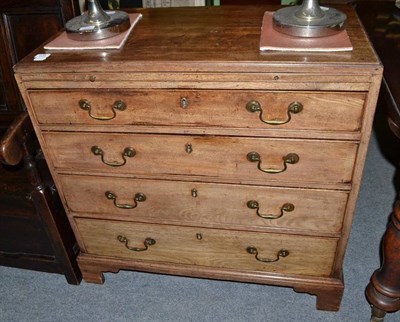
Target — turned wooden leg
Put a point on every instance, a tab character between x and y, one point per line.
383	291
377	315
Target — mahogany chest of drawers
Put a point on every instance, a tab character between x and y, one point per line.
190	152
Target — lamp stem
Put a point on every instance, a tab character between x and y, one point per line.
96	15
310	10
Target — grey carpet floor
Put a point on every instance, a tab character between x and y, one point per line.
133	296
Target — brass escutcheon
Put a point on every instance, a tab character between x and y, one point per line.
188	148
184	102
254	204
293	108
281	253
128	152
119	105
291	158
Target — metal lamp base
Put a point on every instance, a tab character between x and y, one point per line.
309	20
97	24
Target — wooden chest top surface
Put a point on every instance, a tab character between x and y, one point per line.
219	39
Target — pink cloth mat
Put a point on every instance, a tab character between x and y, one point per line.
62	42
274	40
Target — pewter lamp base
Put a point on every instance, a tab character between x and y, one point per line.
97	24
309	20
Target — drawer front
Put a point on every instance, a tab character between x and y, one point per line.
229	109
202	157
209	247
211	205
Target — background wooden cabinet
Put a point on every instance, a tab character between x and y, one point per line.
34	232
24	25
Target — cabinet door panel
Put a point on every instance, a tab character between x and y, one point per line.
23	31
24	25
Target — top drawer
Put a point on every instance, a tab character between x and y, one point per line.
325	111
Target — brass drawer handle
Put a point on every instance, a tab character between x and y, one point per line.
87	106
147	242
291	158
128	152
281	253
293	108
253	204
139	197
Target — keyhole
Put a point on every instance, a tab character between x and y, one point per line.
188	148
184	102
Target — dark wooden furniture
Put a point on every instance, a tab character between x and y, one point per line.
124	4
34	233
248	2
39	238
24	25
382	23
165	163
